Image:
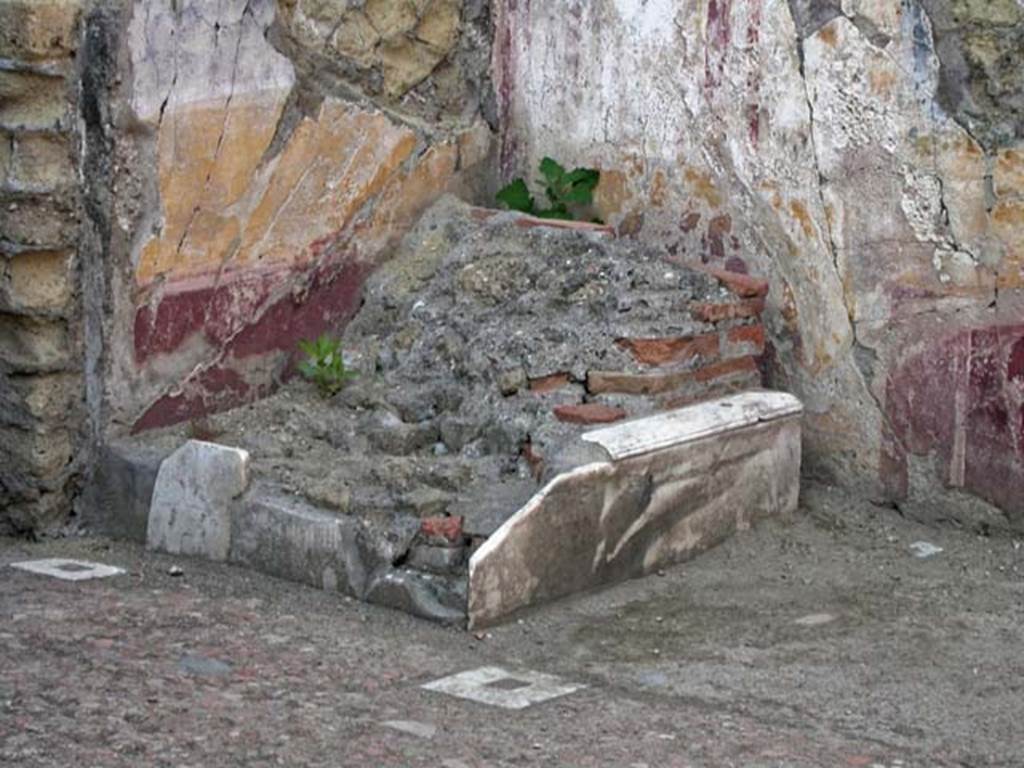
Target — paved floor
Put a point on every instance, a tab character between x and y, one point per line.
820	641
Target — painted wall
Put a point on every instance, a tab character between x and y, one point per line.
867	156
273	153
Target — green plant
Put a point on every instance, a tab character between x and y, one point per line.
565	190
324	364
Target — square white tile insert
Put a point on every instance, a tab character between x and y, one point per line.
498	687
68	570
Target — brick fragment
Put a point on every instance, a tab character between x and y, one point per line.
545	384
744	286
744	340
603	382
726	368
446	528
712	312
589	413
662	351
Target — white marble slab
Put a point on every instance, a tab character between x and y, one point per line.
694	422
68	570
499	687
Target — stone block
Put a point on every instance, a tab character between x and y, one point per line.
6	150
676	484
117	499
439	24
25	401
193	498
406	63
40	162
428	597
32	344
40	221
38	29
30	100
287	538
443	560
38	455
36	280
355	38
1008	175
391	17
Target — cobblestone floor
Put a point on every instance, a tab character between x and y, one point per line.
822	641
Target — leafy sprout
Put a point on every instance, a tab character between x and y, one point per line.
565	191
324	364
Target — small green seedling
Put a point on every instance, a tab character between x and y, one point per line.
565	190
324	364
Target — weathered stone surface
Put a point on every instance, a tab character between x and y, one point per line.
386	48
35	458
36	280
441	560
286	538
682	483
193	500
418	594
29	345
27	401
118	496
38	29
31	100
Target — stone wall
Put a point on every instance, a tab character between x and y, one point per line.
40	339
866	155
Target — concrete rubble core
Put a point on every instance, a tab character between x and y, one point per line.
484	349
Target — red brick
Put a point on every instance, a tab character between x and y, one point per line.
710	312
744	286
599	382
589	413
545	384
727	368
448	528
662	351
745	340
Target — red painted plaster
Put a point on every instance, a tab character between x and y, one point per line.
959	399
254	321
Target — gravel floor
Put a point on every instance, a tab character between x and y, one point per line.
818	641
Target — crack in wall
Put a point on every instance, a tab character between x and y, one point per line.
820	177
246	11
